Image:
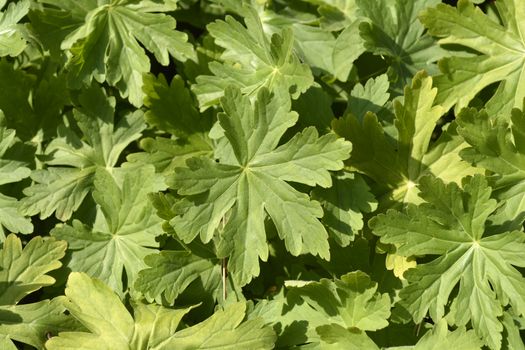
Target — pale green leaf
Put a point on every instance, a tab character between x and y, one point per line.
239	194
498	146
499	53
394	31
350	302
440	337
124	232
451	227
12	33
106	42
344	204
33	323
24	270
251	61
171	272
112	327
11	170
73	159
396	165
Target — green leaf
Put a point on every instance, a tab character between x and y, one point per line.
11	170
12	33
112	327
497	145
394	31
239	194
344	204
350	302
372	97
251	61
32	107
336	14
33	323
498	45
441	338
398	165
336	337
123	233
451	227
24	271
171	107
74	159
107	38
171	272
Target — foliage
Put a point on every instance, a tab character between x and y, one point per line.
259	174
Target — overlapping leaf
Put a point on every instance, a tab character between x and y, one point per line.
251	61
349	306
75	157
11	170
106	40
13	34
24	271
499	57
254	183
498	146
172	110
397	165
394	31
112	327
123	235
171	272
451	227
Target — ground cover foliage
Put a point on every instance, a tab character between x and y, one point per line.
259	174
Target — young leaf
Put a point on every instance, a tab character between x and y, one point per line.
62	187
112	327
251	61
106	41
255	182
498	54
451	227
124	236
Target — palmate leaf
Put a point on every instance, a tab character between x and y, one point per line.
105	39
348	306
251	61
392	29
11	170
112	327
396	165
451	226
123	235
498	145
499	55
68	178
251	181
12	34
24	271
